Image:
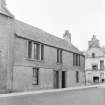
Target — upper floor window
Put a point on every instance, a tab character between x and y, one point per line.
94	67
35	50
79	60
102	64
76	59
59	55
93	55
42	52
29	49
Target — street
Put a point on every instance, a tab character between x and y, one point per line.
91	96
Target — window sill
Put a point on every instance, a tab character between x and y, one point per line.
59	63
35	84
30	59
76	66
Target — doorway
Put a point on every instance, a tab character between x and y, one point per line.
63	79
96	79
56	79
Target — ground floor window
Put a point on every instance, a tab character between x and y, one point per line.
35	77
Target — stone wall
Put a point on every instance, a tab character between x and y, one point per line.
6	42
46	67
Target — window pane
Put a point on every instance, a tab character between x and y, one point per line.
73	59
93	55
29	49
60	56
37	51
102	64
76	59
32	51
95	67
79	60
42	52
57	55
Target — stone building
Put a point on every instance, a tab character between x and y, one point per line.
95	62
32	59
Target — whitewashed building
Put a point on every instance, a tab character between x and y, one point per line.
95	62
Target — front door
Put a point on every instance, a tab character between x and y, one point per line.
56	79
63	79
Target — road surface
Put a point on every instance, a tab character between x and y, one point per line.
91	96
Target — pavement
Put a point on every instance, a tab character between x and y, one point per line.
82	96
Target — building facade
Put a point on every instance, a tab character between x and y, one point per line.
95	62
32	59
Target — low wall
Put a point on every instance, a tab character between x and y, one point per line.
70	96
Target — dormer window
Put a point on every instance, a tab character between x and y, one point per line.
93	55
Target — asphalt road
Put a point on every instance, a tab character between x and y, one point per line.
93	96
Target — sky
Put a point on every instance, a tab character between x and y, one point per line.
82	18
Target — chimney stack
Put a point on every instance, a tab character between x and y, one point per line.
94	42
4	10
2	4
67	36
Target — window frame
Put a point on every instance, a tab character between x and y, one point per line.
29	49
76	59
95	66
59	56
35	50
35	76
101	64
93	55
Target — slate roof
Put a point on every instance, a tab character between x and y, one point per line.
33	33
